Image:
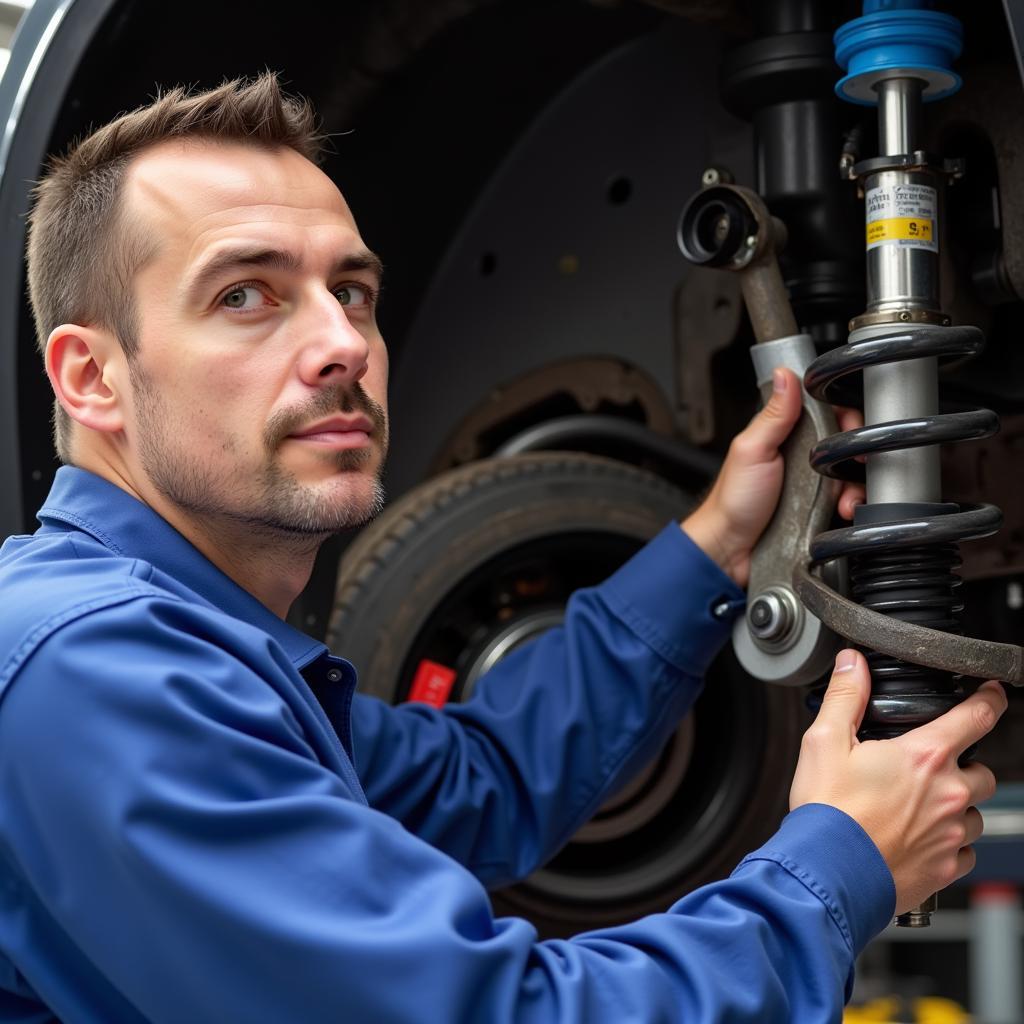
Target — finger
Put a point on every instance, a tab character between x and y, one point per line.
981	781
965	861
974	825
845	700
968	722
772	425
849	419
850	497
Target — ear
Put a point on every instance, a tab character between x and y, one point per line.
84	365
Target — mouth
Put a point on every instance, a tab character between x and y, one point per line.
339	432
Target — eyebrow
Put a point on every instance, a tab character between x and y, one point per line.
273	259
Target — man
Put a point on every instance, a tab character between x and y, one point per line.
188	834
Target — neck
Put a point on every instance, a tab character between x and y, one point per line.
272	565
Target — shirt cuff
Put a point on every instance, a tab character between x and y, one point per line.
828	852
676	598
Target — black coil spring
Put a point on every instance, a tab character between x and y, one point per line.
904	566
917	584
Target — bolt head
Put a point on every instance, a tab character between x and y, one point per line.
772	615
760	613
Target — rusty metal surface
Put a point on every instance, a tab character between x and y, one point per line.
947	652
767	298
708	312
808	499
764	290
562	387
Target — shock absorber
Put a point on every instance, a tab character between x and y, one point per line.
903	546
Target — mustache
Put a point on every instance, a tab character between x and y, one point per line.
343	398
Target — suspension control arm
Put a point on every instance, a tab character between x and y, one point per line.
784	638
949	652
778	640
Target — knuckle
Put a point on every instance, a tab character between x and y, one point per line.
927	757
981	781
819	735
956	835
956	797
949	870
742	446
983	716
810	745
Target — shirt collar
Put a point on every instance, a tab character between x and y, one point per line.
130	528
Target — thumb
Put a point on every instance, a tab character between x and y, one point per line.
772	425
846	699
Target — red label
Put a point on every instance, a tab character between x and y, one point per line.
432	683
995	893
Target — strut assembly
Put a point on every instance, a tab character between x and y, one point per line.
901	552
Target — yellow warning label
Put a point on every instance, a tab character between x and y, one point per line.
900	229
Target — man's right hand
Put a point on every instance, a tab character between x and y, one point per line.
909	794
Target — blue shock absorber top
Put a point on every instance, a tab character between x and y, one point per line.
895	39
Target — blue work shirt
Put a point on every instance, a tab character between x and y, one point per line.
188	834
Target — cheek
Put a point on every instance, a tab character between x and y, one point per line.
209	412
226	390
375	381
213	387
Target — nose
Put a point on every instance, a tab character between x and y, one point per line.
334	349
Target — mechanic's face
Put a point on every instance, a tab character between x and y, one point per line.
259	384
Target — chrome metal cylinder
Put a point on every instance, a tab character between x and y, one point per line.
902	210
919	916
902	240
902	279
901	391
899	115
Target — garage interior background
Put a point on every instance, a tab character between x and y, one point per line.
521	168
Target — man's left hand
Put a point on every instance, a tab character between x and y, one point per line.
742	500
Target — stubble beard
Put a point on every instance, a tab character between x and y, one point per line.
271	500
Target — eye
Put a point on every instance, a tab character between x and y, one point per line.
243	297
353	295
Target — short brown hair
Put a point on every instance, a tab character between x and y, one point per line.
82	252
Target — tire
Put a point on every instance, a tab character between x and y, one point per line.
482	557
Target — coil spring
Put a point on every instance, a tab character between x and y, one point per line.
903	559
